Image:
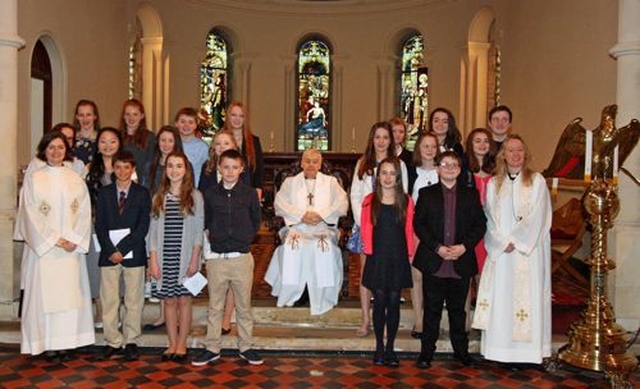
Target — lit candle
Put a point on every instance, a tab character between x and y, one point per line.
588	156
353	134
271	147
616	152
554	189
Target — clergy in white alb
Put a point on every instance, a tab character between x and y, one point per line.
311	204
56	226
513	307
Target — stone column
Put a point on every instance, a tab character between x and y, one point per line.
626	238
10	42
478	53
153	81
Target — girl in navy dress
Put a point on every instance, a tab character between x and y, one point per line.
387	234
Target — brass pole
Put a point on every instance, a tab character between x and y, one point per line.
596	342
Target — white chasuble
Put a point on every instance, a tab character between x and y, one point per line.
309	255
514	295
57	311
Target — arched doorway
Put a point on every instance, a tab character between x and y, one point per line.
41	91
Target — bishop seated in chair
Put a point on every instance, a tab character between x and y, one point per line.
310	204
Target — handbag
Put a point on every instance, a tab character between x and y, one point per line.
354	243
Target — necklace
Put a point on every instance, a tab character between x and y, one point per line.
310	190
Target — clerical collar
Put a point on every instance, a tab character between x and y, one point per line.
513	177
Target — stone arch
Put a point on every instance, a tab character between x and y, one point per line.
475	69
58	84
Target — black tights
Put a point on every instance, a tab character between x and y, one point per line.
386	310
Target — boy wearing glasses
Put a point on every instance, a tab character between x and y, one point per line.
449	221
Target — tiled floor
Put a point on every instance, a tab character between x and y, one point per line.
280	370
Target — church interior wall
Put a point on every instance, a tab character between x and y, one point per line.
91	39
555	61
557	67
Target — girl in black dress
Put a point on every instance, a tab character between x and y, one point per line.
387	232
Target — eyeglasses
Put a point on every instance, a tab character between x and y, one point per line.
449	165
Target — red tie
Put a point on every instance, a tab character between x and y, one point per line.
121	201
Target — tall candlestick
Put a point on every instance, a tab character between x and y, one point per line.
271	148
616	152
588	156
353	139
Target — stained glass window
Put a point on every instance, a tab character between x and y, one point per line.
135	64
313	97
214	72
414	88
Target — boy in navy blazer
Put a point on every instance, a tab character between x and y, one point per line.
449	221
122	222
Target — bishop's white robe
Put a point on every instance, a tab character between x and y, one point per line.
56	312
513	308
309	254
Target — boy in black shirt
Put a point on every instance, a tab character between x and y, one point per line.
232	219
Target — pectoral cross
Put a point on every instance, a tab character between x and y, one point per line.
310	197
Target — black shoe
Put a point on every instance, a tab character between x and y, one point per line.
179	358
424	361
225	331
65	356
251	356
108	352
152	327
52	356
378	358
167	357
464	358
416	334
391	359
131	352
204	358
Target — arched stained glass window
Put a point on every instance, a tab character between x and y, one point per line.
313	97
414	88
135	64
214	83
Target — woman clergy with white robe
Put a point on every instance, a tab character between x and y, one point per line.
513	307
56	224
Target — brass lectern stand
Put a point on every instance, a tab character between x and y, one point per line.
596	342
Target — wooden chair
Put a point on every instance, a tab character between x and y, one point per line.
343	175
567	230
344	179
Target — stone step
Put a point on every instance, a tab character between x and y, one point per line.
286	329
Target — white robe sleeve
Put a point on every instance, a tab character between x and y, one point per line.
36	228
284	203
495	242
80	231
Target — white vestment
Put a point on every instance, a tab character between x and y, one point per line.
513	308
309	254
34	165
56	312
